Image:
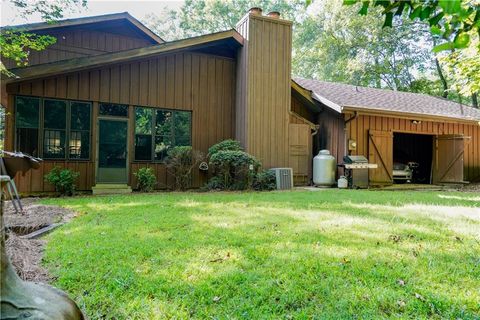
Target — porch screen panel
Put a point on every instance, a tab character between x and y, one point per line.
183	125
27	115
143	133
159	130
79	144
163	133
55	114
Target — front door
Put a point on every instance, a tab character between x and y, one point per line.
112	151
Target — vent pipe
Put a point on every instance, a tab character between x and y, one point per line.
274	14
257	11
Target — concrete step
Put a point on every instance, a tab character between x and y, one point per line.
111	188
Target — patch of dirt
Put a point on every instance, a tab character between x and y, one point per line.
472	187
26	255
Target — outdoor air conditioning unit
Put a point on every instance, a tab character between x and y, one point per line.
284	178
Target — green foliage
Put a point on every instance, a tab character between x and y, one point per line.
336	44
225	145
464	68
215	183
181	161
265	181
146	179
236	168
16	44
64	180
197	17
233	168
333	254
450	19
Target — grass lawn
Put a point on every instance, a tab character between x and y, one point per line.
297	255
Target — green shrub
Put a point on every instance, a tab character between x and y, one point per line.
225	145
214	183
146	179
63	180
235	168
180	163
265	180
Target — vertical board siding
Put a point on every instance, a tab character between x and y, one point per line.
200	83
80	43
263	89
358	130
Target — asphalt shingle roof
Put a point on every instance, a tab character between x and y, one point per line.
346	95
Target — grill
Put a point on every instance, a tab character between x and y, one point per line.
356	171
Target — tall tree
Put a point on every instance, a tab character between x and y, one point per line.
196	17
339	45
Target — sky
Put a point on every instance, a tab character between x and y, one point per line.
139	9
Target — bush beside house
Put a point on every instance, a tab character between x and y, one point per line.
235	169
64	180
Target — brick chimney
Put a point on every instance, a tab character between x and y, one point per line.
263	92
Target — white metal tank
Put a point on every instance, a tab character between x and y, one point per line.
324	168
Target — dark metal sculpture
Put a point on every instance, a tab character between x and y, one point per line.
27	300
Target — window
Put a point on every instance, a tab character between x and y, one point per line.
79	145
55	115
27	115
117	110
158	130
63	133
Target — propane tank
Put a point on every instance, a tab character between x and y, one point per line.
324	168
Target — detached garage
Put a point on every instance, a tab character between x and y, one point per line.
438	139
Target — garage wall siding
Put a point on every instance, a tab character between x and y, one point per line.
359	127
201	83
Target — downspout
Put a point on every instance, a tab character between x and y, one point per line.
345	140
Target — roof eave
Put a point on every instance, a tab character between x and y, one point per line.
407	115
78	64
86	20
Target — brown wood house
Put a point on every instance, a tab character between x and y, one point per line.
111	97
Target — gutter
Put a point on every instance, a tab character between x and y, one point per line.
409	115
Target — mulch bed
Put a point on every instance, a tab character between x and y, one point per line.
26	254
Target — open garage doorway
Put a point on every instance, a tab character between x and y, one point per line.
412	158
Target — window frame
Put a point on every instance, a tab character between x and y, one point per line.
40	107
153	135
41	127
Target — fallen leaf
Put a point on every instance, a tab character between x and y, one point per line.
401	303
419	296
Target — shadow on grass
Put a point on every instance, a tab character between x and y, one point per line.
188	256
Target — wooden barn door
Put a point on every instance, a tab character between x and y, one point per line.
300	152
380	152
448	158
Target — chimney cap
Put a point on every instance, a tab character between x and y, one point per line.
274	14
255	10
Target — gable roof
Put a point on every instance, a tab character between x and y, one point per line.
230	38
94	20
343	97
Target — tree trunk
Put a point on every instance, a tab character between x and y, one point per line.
475	100
442	78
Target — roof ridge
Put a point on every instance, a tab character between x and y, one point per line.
389	90
368	98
